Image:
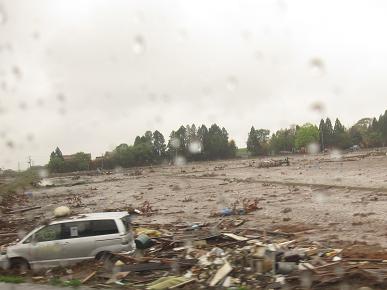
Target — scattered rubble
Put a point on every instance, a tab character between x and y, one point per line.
183	257
246	244
270	163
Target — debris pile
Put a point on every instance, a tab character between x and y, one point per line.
246	206
270	163
226	256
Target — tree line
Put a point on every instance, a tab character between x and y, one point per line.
365	133
191	143
187	143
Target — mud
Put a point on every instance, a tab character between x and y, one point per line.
324	198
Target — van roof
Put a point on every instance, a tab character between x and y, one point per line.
91	216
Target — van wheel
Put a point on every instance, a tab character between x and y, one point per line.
19	264
103	256
108	260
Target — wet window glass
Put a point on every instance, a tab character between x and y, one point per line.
243	141
77	229
104	227
48	233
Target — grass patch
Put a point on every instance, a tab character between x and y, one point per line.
242	152
20	181
72	283
67	283
11	279
55	281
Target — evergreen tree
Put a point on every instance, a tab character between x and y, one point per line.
252	142
322	130
159	146
328	133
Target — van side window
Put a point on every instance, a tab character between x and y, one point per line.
77	229
104	227
48	233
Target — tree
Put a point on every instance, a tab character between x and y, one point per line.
358	132
173	144
202	135
321	129
58	153
252	142
56	163
159	146
81	161
232	149
181	135
217	143
340	137
257	141
328	133
282	140
305	135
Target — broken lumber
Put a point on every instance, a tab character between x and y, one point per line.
88	277
221	273
24	209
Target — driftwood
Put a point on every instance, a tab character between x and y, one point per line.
24	209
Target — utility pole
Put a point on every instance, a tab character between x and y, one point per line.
18	166
29	161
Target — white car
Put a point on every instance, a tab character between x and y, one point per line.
73	239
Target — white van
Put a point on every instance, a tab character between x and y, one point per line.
70	240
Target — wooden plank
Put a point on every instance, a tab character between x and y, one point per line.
182	284
235	237
221	274
87	278
8	235
24	209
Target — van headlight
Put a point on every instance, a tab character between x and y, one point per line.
3	250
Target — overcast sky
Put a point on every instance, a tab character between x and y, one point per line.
87	75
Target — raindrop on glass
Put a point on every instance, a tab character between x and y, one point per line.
61	97
62	111
319	197
195	147
258	55
175	142
30	137
313	148
23	106
40	102
317	67
180	161
17	72
246	35
10	144
232	83
43	173
138	45
3	15
318	107
336	154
